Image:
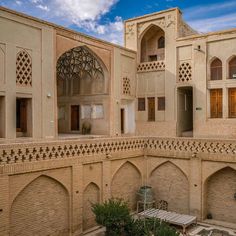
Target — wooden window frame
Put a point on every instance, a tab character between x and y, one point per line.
216	103
151	109
216	69
141	104
232	114
161	103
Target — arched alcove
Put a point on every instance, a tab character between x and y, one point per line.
216	69
125	183
82	88
232	67
41	208
91	195
152	44
220	190
171	184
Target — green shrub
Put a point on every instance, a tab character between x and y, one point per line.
113	214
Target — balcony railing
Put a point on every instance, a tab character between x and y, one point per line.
108	148
151	66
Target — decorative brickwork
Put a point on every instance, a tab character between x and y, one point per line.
125	184
151	66
126	86
23	69
171	185
42	208
221	188
91	196
185	72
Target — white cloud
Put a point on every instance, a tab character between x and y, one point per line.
212	17
43	7
214	23
19	3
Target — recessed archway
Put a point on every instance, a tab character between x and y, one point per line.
171	184
41	208
82	89
220	190
91	196
152	44
126	182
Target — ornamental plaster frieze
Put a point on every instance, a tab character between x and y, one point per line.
116	148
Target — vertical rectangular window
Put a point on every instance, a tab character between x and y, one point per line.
232	103
75	117
2	117
141	104
24	117
216	103
151	109
161	103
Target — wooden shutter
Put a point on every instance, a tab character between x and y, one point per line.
161	103
216	103
232	102
141	104
75	117
23	115
151	109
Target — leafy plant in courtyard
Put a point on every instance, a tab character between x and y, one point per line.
113	214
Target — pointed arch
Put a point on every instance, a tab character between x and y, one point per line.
172	163
219	191
171	184
126	188
91	196
232	67
127	162
42	205
215	69
23	68
148	44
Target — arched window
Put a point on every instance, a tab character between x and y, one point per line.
232	68
161	42
216	69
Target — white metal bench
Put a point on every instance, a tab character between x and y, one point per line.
170	217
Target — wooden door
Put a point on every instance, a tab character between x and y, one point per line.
122	120
216	103
21	115
75	117
232	103
151	109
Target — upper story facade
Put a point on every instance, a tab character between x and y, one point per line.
185	80
168	80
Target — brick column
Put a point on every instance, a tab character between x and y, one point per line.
106	180
77	198
4	206
195	186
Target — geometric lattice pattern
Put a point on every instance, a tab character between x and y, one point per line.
33	152
126	86
76	62
23	69
185	72
151	66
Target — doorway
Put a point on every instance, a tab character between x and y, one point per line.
185	112
75	118
122	120
23	117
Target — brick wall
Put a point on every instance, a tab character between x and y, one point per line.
220	191
126	183
91	195
42	208
171	185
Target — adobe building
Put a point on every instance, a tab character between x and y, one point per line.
160	111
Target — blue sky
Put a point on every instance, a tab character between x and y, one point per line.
104	18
